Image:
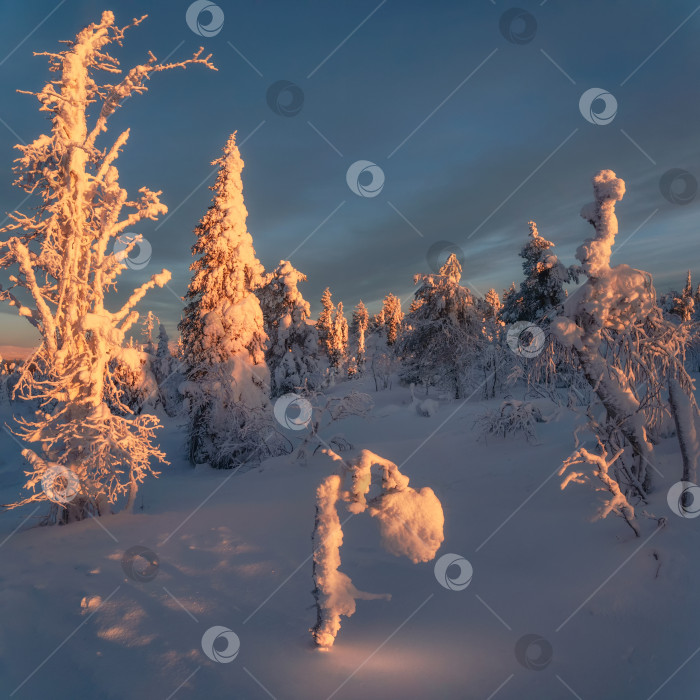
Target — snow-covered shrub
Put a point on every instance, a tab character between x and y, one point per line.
64	270
411	524
512	417
325	412
383	365
427	407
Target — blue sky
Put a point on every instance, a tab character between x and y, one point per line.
475	134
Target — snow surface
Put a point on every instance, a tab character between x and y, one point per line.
235	550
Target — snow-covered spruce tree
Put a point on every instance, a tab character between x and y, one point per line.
148	325
63	271
132	375
392	317
630	355
492	305
683	304
543	286
163	363
509	298
337	339
292	351
358	328
168	373
411	524
223	333
444	332
324	324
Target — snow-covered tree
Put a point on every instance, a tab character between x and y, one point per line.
683	304
392	317
411	524
148	325
292	352
358	327
168	373
494	357
629	354
223	332
509	297
133	375
337	339
444	331
163	363
543	286
324	324
63	270
492	305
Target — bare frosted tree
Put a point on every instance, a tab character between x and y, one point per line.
63	270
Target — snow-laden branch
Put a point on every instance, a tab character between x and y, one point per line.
411	524
617	502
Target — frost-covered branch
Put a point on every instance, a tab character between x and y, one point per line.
617	503
411	524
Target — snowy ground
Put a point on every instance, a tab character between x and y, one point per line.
619	612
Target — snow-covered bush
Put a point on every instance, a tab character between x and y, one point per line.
411	524
427	408
512	417
64	268
325	412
